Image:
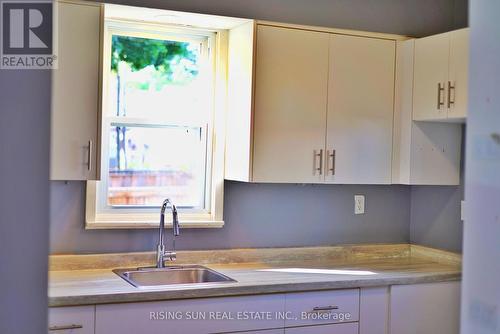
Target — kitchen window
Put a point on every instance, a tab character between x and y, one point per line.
159	126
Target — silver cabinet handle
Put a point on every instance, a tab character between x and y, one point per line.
318	167
64	327
440	90
89	156
450	101
325	308
332	157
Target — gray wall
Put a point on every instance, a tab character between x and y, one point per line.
435	213
256	215
435	217
407	17
294	215
24	200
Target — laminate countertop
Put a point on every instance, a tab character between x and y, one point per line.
88	279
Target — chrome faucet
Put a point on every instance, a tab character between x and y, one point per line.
161	254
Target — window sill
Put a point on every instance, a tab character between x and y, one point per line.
107	225
146	220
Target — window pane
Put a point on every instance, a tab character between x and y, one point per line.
150	163
159	102
158	79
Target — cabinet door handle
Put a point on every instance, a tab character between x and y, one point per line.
65	327
440	90
332	157
450	101
89	156
318	167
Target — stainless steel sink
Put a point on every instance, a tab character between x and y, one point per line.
172	275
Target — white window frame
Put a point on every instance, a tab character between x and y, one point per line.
99	216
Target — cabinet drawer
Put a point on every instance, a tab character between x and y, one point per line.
71	320
351	328
194	316
322	307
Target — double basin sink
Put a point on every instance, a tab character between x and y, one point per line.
172	275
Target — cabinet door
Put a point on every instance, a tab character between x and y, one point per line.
71	320
360	110
191	316
373	310
431	76
290	105
351	328
458	74
425	308
75	93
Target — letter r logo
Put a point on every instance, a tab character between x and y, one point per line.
18	28
27	28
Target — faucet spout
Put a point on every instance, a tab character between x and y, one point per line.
161	254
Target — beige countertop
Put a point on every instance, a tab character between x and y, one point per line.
88	279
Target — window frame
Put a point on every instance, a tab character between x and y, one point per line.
100	217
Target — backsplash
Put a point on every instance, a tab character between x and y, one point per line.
435	217
256	215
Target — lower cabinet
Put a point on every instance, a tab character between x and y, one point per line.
192	316
374	310
71	320
351	328
432	308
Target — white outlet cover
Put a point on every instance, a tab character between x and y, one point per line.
359	204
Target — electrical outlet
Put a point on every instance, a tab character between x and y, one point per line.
359	204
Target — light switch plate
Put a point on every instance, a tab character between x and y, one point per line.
359	204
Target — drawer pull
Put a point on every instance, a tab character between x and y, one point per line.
330	156
450	101
318	169
89	156
64	327
440	91
325	308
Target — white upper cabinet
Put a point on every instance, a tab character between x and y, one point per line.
440	82
431	74
459	74
240	102
75	93
318	106
360	110
424	153
290	105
